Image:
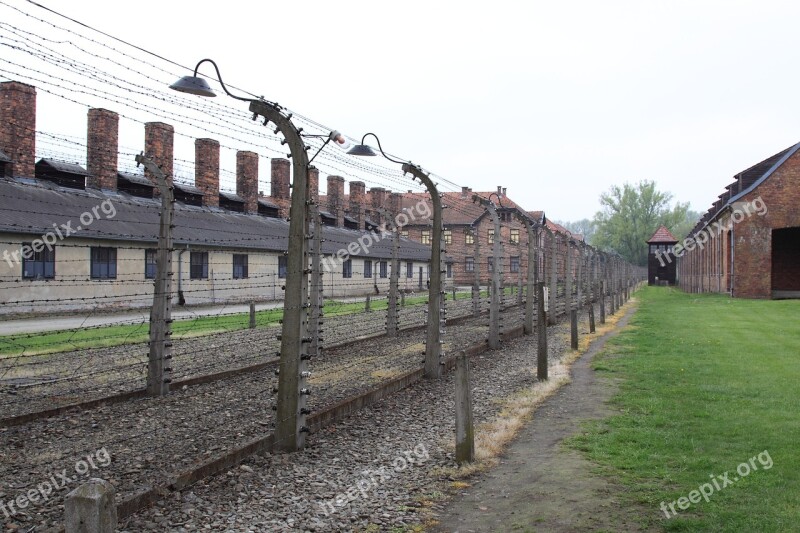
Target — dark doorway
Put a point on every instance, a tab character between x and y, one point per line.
786	263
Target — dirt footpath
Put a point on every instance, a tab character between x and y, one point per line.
542	486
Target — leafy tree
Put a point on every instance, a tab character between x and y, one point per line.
583	227
631	214
682	228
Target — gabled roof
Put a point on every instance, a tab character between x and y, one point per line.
185	187
662	235
537	216
266	203
558	228
458	208
233	197
138	179
63	166
35	205
750	179
756	174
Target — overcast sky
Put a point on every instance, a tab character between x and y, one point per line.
557	101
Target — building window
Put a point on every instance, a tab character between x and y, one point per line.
367	269
409	269
282	266
447	236
426	236
239	266
150	267
490	264
505	216
104	263
449	270
38	265
514	264
384	269
514	237
198	265
404	233
347	269
469	264
491	236
469	238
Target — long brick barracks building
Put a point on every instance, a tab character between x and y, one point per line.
751	234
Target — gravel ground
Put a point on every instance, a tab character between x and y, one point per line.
149	439
35	383
381	463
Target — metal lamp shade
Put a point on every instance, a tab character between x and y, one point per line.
361	150
193	85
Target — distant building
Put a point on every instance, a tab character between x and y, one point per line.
661	264
77	239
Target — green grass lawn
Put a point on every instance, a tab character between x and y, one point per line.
95	337
707	383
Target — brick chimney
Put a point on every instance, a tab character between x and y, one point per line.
102	149
395	204
206	170
18	130
280	179
377	200
464	192
336	199
158	144
313	183
247	180
358	194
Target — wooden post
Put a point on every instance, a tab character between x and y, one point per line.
252	315
541	333
465	434
602	291
573	329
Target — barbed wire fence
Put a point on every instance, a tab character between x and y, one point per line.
222	360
